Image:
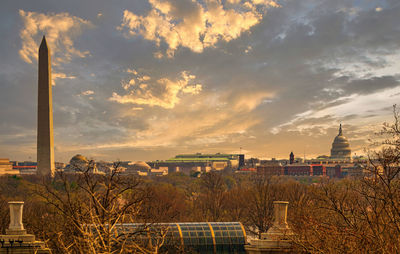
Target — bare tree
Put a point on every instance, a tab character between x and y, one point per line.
90	209
212	196
358	215
166	203
260	196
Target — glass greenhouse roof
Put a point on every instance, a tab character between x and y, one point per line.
198	237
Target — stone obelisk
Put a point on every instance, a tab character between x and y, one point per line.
45	143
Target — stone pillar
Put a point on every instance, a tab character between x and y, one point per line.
16	229
278	237
280	228
280	214
16	240
16	208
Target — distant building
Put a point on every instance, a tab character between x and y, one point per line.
252	162
291	158
26	170
218	161
354	170
318	170
334	171
274	161
137	167
80	163
27	163
271	169
328	161
341	147
298	170
6	167
246	170
337	165
107	167
188	163
25	167
59	165
241	160
185	167
158	172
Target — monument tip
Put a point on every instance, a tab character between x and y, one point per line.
43	44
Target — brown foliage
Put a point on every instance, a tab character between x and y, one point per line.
331	216
357	215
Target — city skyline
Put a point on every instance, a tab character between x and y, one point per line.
151	79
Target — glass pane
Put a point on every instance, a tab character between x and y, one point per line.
202	241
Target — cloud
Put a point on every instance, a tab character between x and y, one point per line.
210	118
59	75
309	61
131	71
248	49
195	24
88	92
136	108
248	101
163	92
355	109
204	124
143	78
60	29
127	84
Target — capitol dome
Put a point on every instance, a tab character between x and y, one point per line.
340	146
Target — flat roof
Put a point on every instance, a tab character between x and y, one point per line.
189	159
206	155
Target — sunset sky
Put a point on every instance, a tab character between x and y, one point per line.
149	79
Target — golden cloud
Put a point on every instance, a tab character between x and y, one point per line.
208	118
88	92
60	30
195	24
250	100
60	75
163	92
185	128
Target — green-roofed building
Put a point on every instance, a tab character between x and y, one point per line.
188	163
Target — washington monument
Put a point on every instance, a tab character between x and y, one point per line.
45	146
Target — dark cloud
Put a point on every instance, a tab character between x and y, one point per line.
366	86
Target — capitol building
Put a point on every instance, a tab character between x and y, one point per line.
340	153
340	147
